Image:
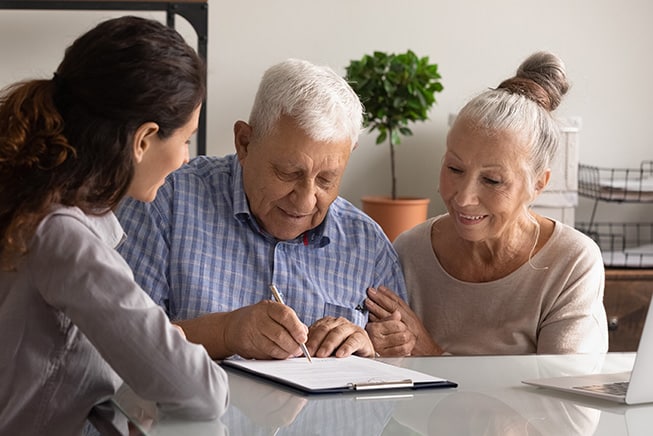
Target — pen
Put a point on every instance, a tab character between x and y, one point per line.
277	297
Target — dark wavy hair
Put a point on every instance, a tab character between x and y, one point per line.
67	140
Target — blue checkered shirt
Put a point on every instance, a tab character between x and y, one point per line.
197	249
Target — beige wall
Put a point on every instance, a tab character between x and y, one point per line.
605	43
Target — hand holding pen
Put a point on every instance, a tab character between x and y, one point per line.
278	299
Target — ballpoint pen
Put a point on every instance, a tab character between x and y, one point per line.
278	299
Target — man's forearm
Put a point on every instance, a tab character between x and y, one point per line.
208	330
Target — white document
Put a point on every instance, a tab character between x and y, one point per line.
333	374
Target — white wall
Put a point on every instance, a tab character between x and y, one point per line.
607	45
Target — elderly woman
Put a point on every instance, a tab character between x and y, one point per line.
491	276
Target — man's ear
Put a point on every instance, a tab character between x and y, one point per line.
242	138
143	138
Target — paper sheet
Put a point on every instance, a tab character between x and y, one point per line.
333	373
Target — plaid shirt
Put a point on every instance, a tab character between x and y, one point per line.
197	249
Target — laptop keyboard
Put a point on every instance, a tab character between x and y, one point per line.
617	388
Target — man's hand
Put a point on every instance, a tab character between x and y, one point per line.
266	330
338	337
382	304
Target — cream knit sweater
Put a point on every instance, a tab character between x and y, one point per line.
547	311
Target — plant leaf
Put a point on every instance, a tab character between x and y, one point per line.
395	89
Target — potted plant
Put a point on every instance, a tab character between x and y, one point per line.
396	90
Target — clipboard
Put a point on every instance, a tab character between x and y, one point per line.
336	375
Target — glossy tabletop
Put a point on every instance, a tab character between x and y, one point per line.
489	400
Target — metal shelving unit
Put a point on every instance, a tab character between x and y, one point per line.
623	244
195	11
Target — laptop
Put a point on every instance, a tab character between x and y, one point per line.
631	387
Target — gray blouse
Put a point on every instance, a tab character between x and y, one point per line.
74	325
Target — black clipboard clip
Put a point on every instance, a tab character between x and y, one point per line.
374	385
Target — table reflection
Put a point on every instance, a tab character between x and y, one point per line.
265	408
490	400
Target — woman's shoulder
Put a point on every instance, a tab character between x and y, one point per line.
571	242
565	233
68	224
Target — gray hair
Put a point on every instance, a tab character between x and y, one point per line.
523	105
318	99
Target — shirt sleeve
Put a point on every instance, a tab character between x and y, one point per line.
147	247
90	282
389	269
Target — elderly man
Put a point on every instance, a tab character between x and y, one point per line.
223	229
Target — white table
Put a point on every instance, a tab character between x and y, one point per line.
490	400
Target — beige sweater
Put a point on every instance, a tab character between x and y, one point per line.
548	311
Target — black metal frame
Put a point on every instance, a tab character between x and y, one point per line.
196	12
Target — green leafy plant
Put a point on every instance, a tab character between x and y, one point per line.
396	90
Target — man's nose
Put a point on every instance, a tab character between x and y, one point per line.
305	196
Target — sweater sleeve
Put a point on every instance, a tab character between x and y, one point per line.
90	282
575	321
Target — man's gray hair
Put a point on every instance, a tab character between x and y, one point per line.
318	99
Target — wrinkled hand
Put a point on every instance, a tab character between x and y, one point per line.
338	337
390	336
264	330
388	308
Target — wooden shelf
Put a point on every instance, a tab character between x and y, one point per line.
627	297
194	11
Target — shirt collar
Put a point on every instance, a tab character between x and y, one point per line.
241	208
316	237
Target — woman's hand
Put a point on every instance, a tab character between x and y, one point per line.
390	336
388	309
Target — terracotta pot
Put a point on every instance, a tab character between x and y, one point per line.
395	216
